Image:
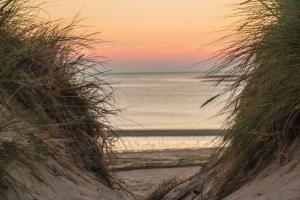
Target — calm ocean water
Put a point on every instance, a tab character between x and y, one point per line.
165	101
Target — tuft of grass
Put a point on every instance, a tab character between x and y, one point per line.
16	151
44	68
164	188
263	53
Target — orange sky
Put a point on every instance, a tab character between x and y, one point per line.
150	35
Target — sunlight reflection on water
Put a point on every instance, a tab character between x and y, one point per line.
165	143
166	101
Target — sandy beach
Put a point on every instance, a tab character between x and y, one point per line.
142	172
160	159
147	158
165	140
144	181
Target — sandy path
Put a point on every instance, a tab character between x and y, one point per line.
143	182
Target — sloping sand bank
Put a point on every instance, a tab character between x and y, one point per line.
54	176
274	183
279	181
59	183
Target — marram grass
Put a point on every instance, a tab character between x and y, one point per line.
47	80
263	53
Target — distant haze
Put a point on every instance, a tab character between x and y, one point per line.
150	35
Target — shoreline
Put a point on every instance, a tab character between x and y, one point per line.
168	132
163	150
128	161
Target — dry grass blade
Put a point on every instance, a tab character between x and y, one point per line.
163	189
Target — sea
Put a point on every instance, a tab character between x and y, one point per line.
166	101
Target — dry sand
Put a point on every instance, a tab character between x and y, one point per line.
277	182
143	182
144	171
49	178
57	183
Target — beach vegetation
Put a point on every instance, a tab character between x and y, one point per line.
163	188
263	110
50	80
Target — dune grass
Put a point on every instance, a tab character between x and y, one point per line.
263	53
262	60
15	151
47	79
163	188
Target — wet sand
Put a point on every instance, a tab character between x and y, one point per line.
164	140
161	159
169	132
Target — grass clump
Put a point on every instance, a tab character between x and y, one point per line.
44	70
263	53
16	151
163	188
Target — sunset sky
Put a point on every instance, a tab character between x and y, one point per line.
150	35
